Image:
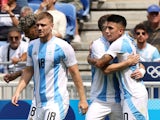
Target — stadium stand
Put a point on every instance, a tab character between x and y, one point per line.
35	1
84	13
34	6
70	11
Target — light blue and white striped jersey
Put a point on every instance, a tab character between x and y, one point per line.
121	48
104	87
149	53
50	61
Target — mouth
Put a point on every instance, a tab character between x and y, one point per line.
40	32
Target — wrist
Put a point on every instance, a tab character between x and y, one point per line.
143	71
129	62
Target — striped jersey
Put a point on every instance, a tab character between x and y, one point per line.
104	87
50	61
121	48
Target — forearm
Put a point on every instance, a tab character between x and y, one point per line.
25	78
116	67
14	19
131	60
100	63
78	82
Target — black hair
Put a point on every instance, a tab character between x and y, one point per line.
140	26
102	20
118	19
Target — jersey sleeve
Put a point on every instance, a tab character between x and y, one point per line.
98	49
156	55
70	57
29	55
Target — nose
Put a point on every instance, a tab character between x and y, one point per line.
107	30
39	27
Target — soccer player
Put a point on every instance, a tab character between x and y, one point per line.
105	93
48	59
134	94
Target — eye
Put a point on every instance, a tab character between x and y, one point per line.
110	28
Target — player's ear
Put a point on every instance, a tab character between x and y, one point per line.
52	25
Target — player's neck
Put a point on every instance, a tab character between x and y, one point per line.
46	38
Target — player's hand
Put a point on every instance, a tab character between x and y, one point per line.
137	74
133	59
83	107
15	100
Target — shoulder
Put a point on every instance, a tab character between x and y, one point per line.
34	42
97	41
4	47
101	42
151	47
61	42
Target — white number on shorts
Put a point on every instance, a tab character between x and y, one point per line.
51	116
125	116
33	111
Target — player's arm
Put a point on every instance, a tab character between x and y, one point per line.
26	77
100	63
74	71
131	60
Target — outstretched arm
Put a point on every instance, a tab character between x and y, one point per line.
26	77
74	71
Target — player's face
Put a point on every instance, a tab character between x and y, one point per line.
141	36
113	31
44	27
104	30
14	39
